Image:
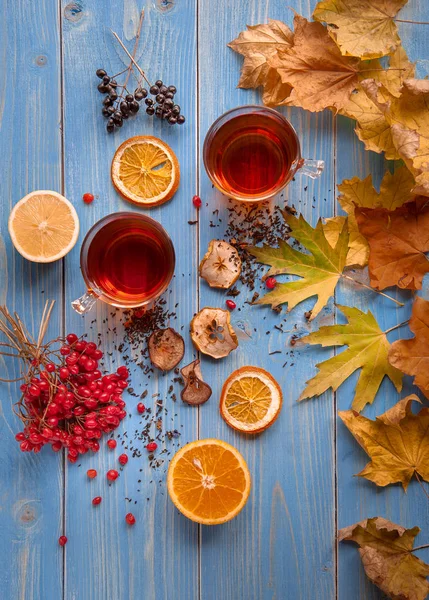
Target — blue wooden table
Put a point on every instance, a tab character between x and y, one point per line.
52	136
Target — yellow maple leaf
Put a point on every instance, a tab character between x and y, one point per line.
320	76
372	128
368	349
408	117
363	28
395	190
385	549
397	443
257	44
319	271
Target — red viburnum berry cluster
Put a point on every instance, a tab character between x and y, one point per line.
71	404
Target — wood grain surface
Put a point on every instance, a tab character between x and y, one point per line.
52	136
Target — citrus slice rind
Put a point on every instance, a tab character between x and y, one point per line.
251	400
208	481
44	226
145	171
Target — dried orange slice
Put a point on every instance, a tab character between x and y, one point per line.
44	226
251	400
208	481
145	171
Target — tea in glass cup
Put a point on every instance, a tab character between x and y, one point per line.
252	152
127	260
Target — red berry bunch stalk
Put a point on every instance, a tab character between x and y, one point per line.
66	401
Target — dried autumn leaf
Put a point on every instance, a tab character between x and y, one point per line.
385	550
408	117
166	348
221	265
212	333
395	190
372	128
397	443
364	28
412	356
196	391
319	271
398	241
320	75
257	44
367	350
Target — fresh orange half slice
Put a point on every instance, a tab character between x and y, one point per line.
208	481
145	171
251	399
44	226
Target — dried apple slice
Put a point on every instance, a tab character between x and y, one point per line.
221	265
212	333
196	391
166	348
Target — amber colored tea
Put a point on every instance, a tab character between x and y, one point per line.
129	259
251	154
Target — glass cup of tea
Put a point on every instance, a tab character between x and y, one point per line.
252	152
127	260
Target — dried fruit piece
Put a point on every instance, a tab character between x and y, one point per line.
251	400
166	348
196	391
221	265
212	333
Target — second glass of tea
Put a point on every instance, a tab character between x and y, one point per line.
127	260
252	152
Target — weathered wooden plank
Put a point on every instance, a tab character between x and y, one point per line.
30	159
159	555
282	545
358	498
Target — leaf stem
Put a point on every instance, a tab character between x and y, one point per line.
420	547
421	485
397	326
412	22
368	287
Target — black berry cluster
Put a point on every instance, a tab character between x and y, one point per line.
119	104
163	106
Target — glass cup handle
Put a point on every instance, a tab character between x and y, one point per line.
311	168
84	303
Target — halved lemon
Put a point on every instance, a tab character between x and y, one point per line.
44	226
251	399
145	171
208	481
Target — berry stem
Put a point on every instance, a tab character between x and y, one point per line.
132	57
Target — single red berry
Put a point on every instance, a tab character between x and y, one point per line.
123	459
152	446
96	500
50	367
139	313
123	372
71	338
130	518
64	373
62	540
141	407
65	350
111	444
112	475
92	473
231	304
20	437
88	198
271	283
196	201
